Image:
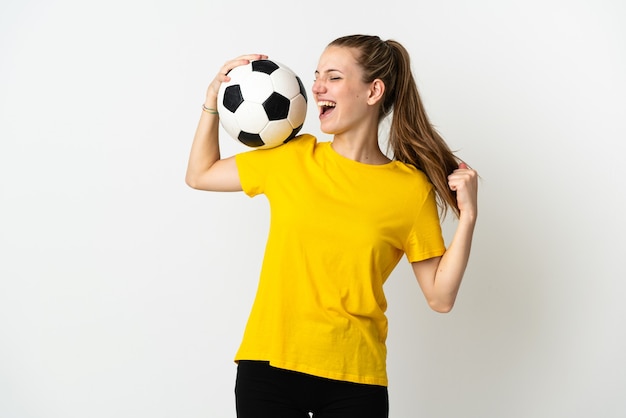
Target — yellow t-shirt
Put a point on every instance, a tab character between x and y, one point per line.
337	230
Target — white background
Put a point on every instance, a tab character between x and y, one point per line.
123	293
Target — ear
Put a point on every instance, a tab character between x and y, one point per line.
377	90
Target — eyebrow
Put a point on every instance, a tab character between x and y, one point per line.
328	71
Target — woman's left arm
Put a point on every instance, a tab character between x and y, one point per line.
440	277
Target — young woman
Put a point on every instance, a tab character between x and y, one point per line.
343	214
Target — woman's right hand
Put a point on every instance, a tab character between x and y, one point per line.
222	76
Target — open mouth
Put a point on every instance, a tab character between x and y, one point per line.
325	107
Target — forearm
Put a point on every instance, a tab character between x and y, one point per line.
205	149
452	266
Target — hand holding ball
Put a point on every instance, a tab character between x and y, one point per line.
263	105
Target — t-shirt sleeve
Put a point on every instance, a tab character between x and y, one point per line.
425	239
256	167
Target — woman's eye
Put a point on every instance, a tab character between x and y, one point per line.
327	78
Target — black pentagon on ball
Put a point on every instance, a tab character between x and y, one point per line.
249	139
232	97
302	89
264	66
276	106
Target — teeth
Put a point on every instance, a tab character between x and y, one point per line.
326	104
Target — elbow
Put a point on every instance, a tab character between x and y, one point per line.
191	182
441	306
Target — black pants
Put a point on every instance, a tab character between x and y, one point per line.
263	391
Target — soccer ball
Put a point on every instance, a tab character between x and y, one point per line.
263	105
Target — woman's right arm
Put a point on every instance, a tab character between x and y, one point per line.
206	170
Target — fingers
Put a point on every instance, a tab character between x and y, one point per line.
241	60
462	177
464	167
464	181
222	75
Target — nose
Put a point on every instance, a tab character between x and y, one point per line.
318	86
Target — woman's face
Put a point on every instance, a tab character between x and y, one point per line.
339	91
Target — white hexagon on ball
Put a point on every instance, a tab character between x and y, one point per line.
275	128
297	111
256	87
282	82
254	117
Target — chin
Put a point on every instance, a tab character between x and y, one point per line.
328	130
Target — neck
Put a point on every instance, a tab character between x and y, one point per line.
361	149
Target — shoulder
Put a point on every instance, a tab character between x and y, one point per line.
299	142
294	146
413	175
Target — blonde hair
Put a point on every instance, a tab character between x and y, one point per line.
412	138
